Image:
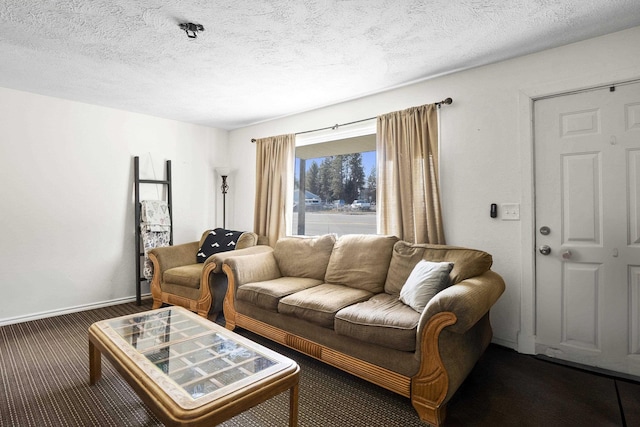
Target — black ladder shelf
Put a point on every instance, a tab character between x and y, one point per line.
140	251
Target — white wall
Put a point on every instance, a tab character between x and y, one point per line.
66	194
485	155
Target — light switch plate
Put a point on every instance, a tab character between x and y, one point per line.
510	211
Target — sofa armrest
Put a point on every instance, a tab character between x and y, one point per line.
221	257
256	267
457	308
246	269
175	256
468	300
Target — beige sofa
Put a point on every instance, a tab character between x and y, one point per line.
339	300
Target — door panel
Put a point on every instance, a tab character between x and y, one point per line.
587	178
580	296
632	116
634	196
634	277
580	123
581	199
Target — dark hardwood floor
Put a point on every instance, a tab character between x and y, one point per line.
511	389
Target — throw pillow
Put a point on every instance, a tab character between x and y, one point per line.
218	240
426	279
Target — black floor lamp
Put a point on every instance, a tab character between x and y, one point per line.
224	174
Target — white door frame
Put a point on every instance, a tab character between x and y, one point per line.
526	97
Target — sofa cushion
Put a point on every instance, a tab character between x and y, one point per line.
185	275
361	261
426	279
267	294
467	262
304	256
319	304
381	320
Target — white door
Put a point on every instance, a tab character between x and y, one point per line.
587	179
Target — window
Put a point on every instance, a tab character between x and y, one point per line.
337	181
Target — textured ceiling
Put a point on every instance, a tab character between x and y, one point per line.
260	59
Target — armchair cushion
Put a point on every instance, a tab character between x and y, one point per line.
185	275
217	240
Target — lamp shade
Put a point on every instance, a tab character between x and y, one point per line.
224	171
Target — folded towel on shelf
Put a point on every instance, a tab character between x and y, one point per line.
155	216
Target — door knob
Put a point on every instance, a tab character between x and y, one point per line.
566	254
545	249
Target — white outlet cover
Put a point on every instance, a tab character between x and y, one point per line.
510	211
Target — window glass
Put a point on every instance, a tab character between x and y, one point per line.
337	182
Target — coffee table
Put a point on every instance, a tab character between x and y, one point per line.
190	371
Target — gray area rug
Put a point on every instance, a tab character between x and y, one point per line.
44	374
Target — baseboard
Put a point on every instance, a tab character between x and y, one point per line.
59	312
587	368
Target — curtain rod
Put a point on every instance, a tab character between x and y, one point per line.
447	101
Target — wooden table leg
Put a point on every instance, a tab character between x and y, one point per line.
293	406
95	363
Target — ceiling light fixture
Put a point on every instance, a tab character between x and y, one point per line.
191	29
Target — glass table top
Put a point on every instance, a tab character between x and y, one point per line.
189	356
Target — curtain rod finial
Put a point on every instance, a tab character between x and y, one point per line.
447	101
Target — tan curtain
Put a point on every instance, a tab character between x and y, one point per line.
408	190
274	170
